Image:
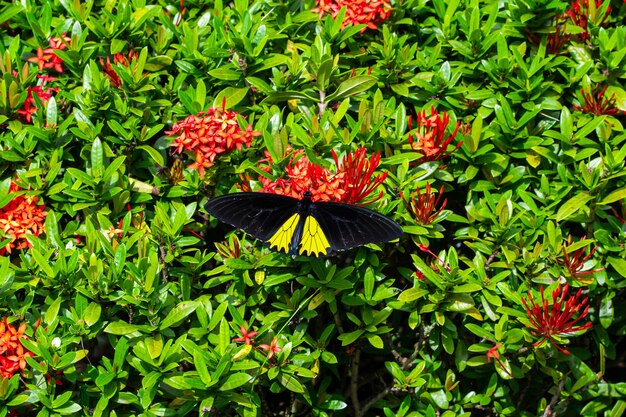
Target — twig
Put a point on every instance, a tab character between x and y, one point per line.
491	258
405	364
374	400
354	383
555	398
162	259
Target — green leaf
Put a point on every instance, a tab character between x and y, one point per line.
412	294
459	302
235	380
53	311
480	332
178	313
290	382
154	154
572	205
618	264
616	195
154	345
352	86
92	314
351	337
52	230
224	337
375	341
51	112
202	368
121	328
233	97
42	262
97	159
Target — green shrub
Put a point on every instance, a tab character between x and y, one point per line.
491	131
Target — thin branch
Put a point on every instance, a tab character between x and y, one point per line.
405	364
555	398
374	400
354	383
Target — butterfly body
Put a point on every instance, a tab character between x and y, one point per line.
302	226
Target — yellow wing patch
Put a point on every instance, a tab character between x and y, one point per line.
281	240
313	240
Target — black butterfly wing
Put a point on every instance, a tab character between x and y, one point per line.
346	226
258	214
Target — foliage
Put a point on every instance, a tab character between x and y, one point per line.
491	131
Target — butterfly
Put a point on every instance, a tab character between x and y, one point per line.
302	226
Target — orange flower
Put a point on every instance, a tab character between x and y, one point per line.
369	12
358	171
43	94
22	216
246	336
12	353
46	58
272	348
119	59
209	134
424	207
428	138
352	182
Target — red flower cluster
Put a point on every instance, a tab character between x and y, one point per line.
556	39
229	249
595	102
552	321
352	183
209	134
575	262
43	94
580	14
424	207
247	337
429	137
20	217
46	58
120	59
12	353
369	12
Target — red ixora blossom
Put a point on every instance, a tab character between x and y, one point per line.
246	336
368	12
119	59
580	14
229	249
12	353
352	182
575	261
43	94
423	207
272	348
595	101
556	320
557	38
429	137
209	134
20	217
46	58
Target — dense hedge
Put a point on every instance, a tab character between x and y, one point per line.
491	131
